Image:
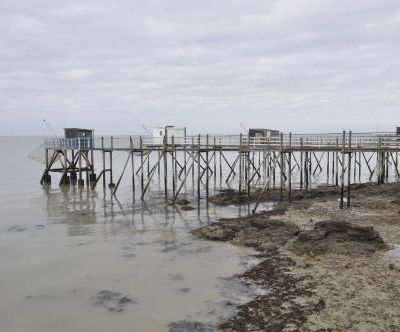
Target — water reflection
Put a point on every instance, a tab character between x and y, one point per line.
90	242
80	208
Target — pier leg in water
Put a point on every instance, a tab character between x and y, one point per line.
240	165
80	180
198	169
133	167
141	165
104	162
207	169
165	157
111	184
173	166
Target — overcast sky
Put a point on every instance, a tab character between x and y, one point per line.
115	65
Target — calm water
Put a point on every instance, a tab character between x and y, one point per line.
59	249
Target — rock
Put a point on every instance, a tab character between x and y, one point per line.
115	309
106	296
187	208
124	300
182	202
16	229
393	267
249	236
277	231
175	277
228	197
337	237
250	231
188	326
114	301
40	297
215	232
267	246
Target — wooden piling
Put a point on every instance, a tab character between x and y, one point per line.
337	163
193	160
290	167
165	158
246	171
349	172
220	163
240	165
380	162
159	166
184	160
301	164
104	162
173	165
306	170
198	168
332	173
342	173
327	168
207	168
142	166
80	181
86	154
111	184
281	167
273	170
215	164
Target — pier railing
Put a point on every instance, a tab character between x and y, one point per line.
283	141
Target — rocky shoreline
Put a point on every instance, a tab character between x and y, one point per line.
324	269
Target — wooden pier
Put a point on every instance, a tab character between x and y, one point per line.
283	162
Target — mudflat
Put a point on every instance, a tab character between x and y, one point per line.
324	269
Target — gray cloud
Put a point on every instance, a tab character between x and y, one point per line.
304	65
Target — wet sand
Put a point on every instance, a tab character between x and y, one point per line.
324	269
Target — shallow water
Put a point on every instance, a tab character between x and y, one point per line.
59	249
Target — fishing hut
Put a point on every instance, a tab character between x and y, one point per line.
73	156
259	132
179	134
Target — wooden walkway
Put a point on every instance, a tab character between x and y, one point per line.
317	142
286	161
